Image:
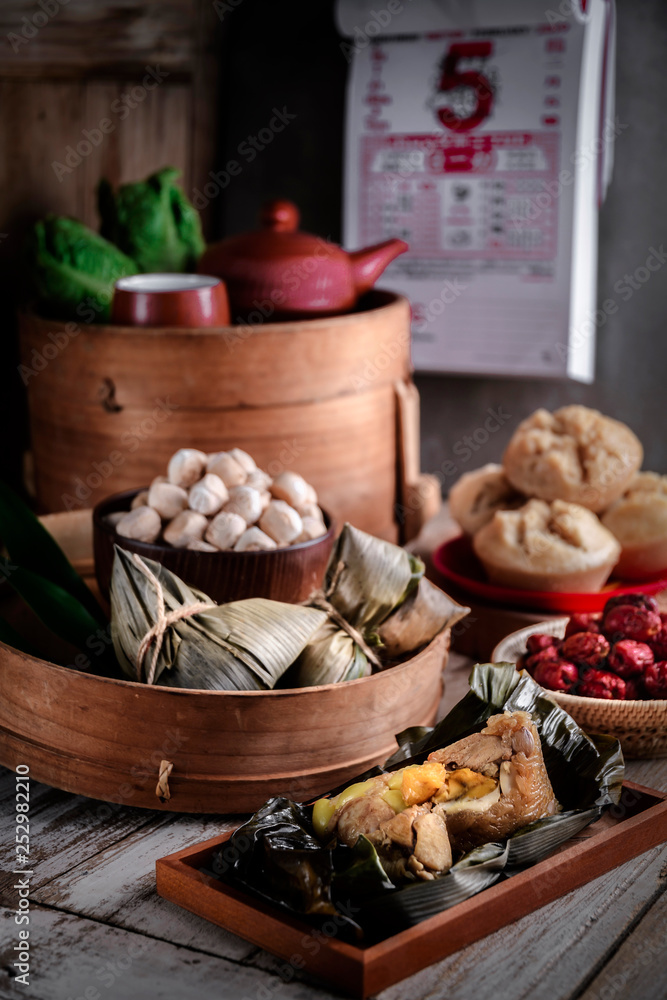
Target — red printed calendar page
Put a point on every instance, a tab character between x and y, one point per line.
467	144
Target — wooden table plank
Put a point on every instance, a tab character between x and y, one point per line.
73	955
639	964
547	955
64	829
118	886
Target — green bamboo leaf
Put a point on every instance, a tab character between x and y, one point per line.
55	607
241	646
366	580
31	546
376	577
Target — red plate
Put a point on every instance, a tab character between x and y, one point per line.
457	562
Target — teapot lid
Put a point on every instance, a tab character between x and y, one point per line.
279	235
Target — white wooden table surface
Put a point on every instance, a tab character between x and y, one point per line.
98	930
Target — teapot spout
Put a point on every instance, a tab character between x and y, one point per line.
369	263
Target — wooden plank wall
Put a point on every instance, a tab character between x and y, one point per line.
64	69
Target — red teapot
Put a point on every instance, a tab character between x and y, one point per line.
279	272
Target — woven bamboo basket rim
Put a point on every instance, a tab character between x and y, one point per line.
609	711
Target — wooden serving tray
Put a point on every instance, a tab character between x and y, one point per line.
638	823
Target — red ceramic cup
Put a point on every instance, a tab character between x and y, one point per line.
170	300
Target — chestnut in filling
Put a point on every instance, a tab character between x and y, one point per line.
423	816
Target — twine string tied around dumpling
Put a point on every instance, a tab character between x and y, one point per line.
320	600
155	635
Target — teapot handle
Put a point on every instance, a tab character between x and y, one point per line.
280	216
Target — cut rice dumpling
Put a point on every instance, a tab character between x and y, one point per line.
480	789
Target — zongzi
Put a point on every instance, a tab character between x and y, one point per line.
482	788
164	630
380	607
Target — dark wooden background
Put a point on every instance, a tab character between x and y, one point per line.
229	66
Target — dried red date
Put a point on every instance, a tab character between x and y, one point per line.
584	622
539	641
634	689
659	642
548	655
586	648
635	599
625	621
556	675
655	679
602	684
629	658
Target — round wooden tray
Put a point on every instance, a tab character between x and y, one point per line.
230	751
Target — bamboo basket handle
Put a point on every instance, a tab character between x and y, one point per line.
419	493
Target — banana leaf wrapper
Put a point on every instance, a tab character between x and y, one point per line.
241	646
586	774
380	590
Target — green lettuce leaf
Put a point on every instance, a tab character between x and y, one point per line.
71	270
153	222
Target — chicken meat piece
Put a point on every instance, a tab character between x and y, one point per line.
509	747
480	789
414	844
362	816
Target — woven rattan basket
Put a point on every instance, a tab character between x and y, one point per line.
641	726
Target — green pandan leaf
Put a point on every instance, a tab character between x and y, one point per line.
31	546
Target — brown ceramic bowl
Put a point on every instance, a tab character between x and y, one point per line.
289	574
190	300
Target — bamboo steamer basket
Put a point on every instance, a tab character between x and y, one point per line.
641	726
229	751
330	398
